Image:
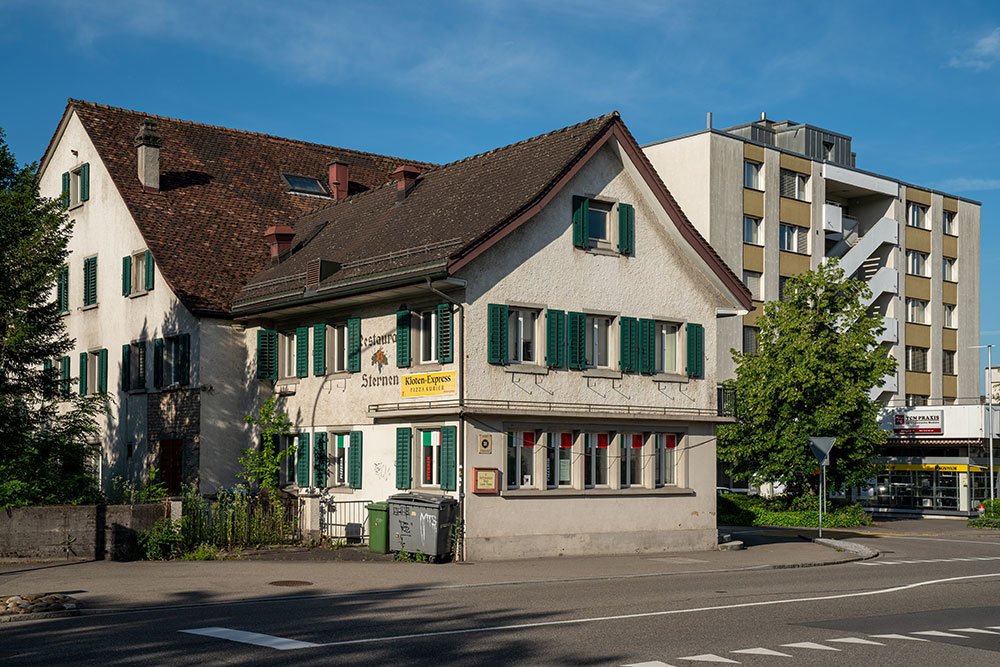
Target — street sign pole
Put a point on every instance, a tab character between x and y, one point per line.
821	450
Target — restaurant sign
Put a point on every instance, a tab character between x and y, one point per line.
929	422
428	384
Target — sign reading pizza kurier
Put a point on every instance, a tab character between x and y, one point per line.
928	422
427	384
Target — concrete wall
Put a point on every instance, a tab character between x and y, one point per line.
100	531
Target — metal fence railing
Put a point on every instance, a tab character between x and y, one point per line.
344	520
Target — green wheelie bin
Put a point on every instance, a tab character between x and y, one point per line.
378	527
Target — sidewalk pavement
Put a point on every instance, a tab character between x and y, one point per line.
112	586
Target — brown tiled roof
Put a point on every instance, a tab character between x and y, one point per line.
452	212
220	189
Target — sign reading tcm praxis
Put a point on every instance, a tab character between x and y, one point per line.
930	422
428	384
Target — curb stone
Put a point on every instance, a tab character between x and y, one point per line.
39	616
863	552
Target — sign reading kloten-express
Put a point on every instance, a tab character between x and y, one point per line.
924	423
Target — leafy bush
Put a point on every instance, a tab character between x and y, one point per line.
798	511
203	551
138	493
990	517
162	542
235	519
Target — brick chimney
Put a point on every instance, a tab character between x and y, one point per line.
147	143
338	179
406	176
279	237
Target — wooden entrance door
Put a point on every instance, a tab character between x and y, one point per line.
171	469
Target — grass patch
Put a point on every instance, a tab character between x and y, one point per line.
802	511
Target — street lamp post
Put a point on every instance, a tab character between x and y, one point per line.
989	408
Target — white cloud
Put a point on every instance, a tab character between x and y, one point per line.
969	184
982	55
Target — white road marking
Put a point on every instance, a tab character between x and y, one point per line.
894	636
761	651
855	640
709	657
929	560
977	630
678	560
652	663
254	638
937	633
812	645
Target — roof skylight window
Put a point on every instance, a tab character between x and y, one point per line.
304	184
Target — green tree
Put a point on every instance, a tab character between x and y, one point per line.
817	361
261	464
44	457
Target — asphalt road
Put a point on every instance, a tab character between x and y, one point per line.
932	597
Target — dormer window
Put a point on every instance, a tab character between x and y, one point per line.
304	185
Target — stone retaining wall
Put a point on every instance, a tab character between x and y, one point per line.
74	531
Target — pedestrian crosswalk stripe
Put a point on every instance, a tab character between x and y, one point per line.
895	636
937	633
254	638
855	640
651	663
709	657
761	651
812	645
977	630
927	560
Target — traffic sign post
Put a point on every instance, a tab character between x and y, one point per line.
821	450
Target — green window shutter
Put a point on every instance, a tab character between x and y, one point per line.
581	209
64	384
647	347
404	469
403	339
83	373
126	367
695	350
319	460
354	461
626	229
48	386
85	181
302	460
102	371
267	355
126	275
577	326
629	344
354	345
301	351
319	349
150	273
157	362
555	338
90	281
444	333
62	289
449	458
65	189
183	373
496	323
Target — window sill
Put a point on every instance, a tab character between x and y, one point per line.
75	205
137	294
795	252
141	390
530	369
63	313
804	201
90	307
953	282
954	236
602	373
753	245
947	327
671	377
337	375
426	367
604	251
752	189
916	275
583	493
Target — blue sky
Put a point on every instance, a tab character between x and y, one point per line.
916	84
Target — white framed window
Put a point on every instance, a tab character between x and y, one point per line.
631	460
950	319
751	230
427	326
336	457
595	459
949	269
948	224
559	460
137	363
751	336
792	238
794	185
666	347
139	273
916	359
916	215
521	459
598	217
916	311
916	263
79	185
948	362
430	457
916	399
286	354
664	456
598	341
751	174
782	292
752	280
522	336
336	349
